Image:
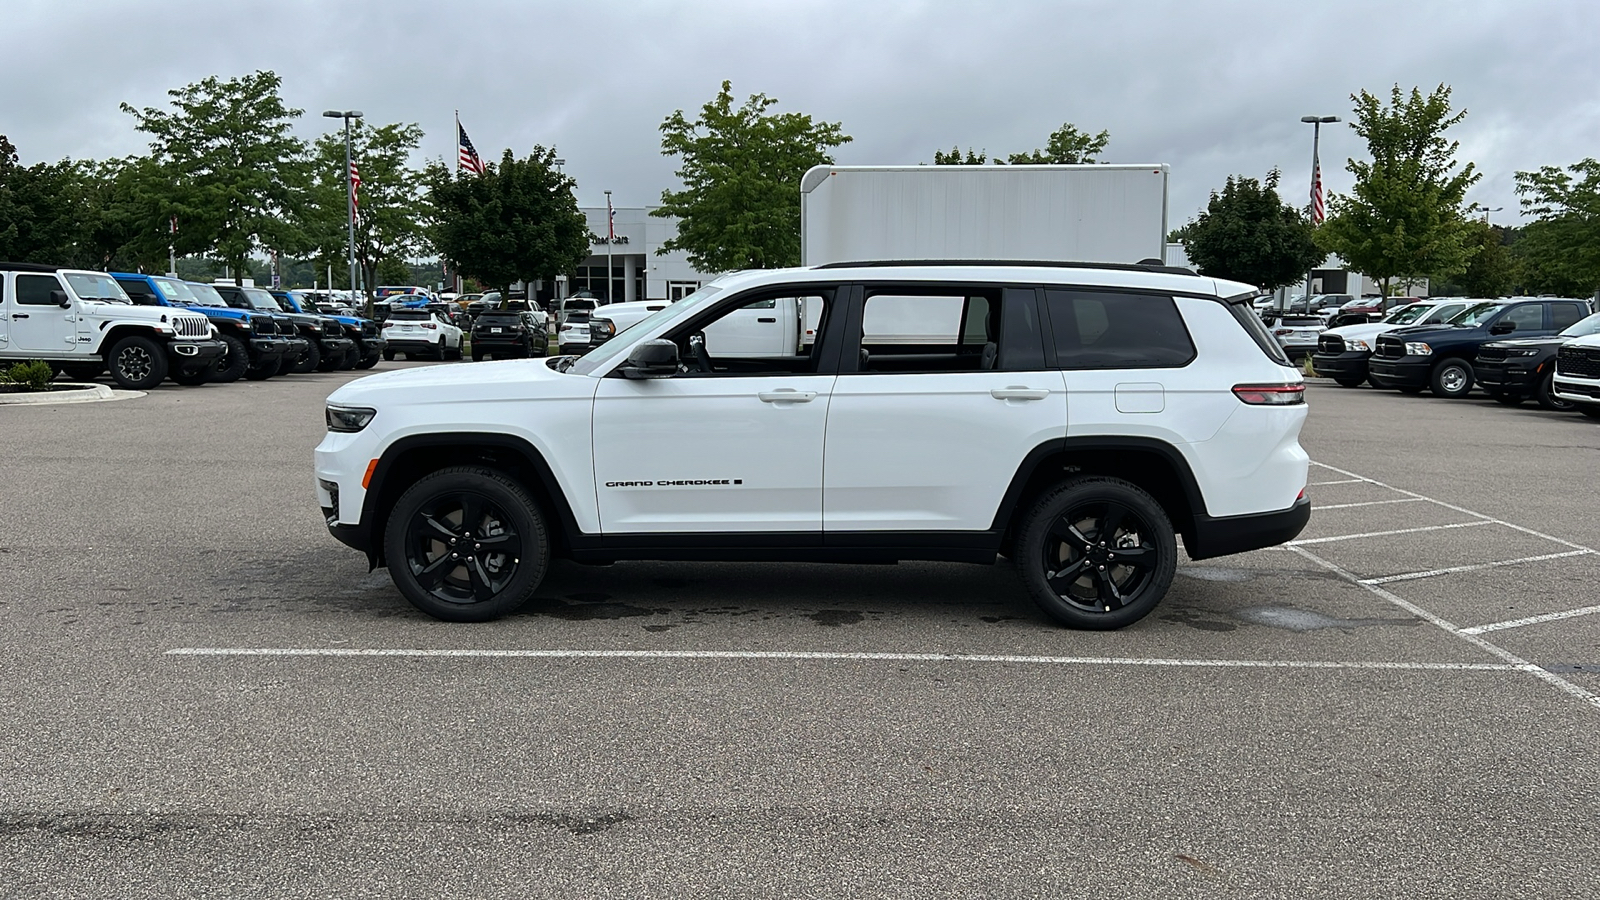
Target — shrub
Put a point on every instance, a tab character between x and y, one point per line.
34	376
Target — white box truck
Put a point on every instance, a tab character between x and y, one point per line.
1088	213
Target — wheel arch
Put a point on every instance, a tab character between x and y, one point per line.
411	458
1154	465
118	332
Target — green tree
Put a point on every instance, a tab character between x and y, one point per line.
741	169
518	221
1561	247
392	222
954	157
235	174
1247	233
1067	146
1493	271
41	210
1404	217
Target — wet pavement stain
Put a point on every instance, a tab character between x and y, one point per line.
1216	573
1197	619
993	620
659	627
1288	617
833	618
587	611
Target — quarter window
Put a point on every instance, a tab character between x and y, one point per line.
1107	330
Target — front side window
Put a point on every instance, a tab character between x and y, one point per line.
1108	330
774	333
1529	317
34	290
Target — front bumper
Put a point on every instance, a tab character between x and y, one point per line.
267	349
1511	376
1584	391
1407	371
295	347
1349	364
1213	537
330	345
191	355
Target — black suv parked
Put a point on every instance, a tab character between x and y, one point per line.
1514	370
502	333
1441	357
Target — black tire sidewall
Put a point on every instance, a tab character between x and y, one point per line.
1436	382
509	496
308	360
1545	396
231	365
158	362
1055	503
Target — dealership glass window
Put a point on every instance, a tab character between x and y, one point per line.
677	290
1110	330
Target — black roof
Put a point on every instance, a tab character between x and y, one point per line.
1024	263
30	267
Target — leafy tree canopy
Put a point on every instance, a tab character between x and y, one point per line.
42	210
236	175
954	157
1247	233
1561	247
392	220
741	169
518	221
1067	146
1404	216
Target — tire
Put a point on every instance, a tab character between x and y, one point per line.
309	361
1545	394
84	371
348	359
1412	389
1350	381
1062	537
263	371
1590	410
368	361
388	356
1452	378
137	363
443	507
438	352
232	363
452	352
477	355
193	379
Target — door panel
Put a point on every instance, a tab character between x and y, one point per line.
710	454
37	323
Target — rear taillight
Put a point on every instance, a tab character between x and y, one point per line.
429	325
387	324
1280	332
1270	394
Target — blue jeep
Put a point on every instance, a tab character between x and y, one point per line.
252	341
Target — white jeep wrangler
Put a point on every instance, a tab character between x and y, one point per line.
83	322
1075	418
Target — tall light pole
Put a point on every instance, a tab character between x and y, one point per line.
349	191
1479	207
611	238
1316	123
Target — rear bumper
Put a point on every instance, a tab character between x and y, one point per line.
1238	534
1349	364
412	346
1407	371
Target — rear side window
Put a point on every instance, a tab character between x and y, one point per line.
1109	330
1564	315
1528	317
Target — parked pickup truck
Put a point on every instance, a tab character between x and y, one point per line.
1343	352
1441	356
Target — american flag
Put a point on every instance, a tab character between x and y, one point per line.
1318	213
355	186
469	154
611	221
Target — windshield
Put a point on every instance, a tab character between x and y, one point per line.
1405	315
260	299
94	286
174	290
1474	314
1582	327
205	294
601	357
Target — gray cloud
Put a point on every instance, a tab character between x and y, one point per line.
1212	88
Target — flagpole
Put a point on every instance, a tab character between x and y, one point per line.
611	237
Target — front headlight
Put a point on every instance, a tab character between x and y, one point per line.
1418	348
349	419
1524	352
1358	345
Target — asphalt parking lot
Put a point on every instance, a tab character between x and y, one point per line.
208	696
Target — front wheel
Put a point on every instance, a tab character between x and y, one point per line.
1349	381
193	378
138	363
232	363
1545	395
1097	553
368	361
309	361
466	544
1452	378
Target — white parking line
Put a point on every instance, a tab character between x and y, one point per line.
1373	534
1533	620
1340	481
1411	576
1371	503
827	655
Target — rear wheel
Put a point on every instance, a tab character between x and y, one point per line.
1097	553
452	352
477	355
1545	394
438	352
1452	378
137	363
466	544
388	356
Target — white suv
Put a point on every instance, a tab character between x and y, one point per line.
1075	418
1577	375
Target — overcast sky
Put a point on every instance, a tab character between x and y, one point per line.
1212	87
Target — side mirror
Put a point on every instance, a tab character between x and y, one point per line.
652	359
61	299
1502	328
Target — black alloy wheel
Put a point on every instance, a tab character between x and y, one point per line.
1097	553
1545	394
466	544
138	363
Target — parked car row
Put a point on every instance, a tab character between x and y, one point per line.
143	329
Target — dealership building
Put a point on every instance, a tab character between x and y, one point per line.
638	271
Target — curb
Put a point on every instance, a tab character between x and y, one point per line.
95	393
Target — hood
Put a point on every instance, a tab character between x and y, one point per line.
1363	332
1548	340
1413	330
120	312
218	312
511	379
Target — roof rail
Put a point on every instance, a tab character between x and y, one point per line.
30	267
1025	263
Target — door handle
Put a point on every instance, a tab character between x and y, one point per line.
19	315
767	320
1018	392
787	395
